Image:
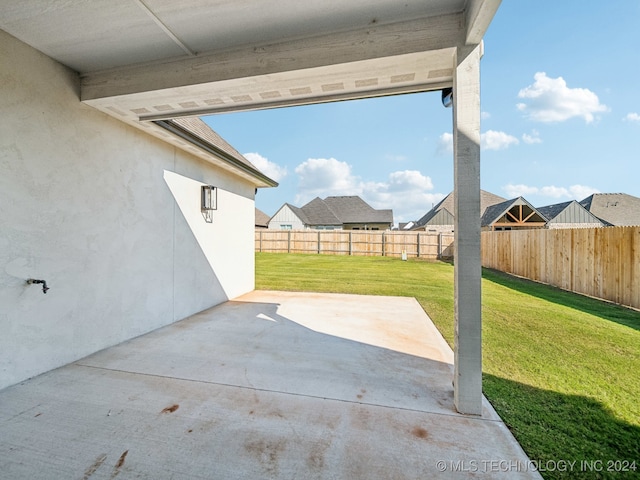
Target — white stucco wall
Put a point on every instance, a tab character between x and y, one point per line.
108	216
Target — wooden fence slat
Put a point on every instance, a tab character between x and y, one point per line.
355	242
599	262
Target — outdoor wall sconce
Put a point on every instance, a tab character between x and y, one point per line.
209	202
447	97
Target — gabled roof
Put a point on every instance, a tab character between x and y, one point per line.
448	203
262	219
494	212
301	214
340	211
319	213
617	209
441	216
552	211
352	209
568	212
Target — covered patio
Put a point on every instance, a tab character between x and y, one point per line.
148	62
269	385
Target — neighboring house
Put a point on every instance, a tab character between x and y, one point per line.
332	213
615	209
288	217
514	214
569	215
262	219
441	217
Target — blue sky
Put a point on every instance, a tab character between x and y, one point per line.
560	104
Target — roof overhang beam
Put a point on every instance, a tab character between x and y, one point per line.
479	14
379	41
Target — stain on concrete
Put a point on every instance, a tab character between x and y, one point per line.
170	409
94	466
315	459
119	464
121	459
420	432
267	452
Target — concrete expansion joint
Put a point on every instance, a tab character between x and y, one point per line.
293	394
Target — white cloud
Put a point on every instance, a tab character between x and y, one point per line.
550	100
574	192
445	143
531	139
270	169
492	140
485	115
519	190
632	117
325	177
409	179
554	192
581	191
407	192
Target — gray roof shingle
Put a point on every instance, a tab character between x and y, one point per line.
619	209
552	211
352	209
319	213
262	219
448	203
341	210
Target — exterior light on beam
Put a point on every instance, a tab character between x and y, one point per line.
447	97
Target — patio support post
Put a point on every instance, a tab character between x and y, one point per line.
468	272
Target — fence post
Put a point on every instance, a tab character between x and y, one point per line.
440	246
350	245
260	240
288	241
318	242
383	245
418	243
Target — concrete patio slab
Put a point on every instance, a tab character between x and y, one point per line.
272	385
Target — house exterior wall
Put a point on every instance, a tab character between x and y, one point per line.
574	216
106	214
284	218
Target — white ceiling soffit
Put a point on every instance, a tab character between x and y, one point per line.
143	60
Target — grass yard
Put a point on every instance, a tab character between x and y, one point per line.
562	370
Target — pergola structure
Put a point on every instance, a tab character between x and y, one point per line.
146	62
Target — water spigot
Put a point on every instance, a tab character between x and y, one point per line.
31	281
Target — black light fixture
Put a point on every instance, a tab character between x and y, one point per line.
209	202
447	97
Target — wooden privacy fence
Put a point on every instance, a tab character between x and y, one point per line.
600	262
355	242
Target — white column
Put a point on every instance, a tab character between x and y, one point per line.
468	273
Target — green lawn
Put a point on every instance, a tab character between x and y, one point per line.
562	370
